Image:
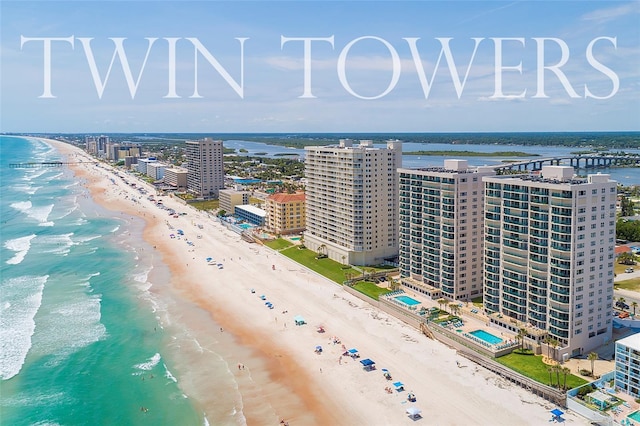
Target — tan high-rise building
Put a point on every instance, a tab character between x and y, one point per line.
286	213
205	166
352	201
441	229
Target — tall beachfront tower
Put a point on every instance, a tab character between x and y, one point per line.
352	201
549	253
441	229
205	167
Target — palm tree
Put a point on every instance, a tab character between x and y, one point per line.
453	308
393	284
565	371
550	370
593	356
554	343
441	302
626	259
634	304
521	335
547	341
557	368
622	303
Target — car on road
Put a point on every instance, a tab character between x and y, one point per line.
628	270
622	305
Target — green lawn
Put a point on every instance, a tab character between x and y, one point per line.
278	244
477	302
325	267
206	205
533	367
370	289
632	284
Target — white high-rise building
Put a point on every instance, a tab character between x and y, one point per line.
627	356
549	255
205	166
352	201
441	229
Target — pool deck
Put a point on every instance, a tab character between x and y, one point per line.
472	321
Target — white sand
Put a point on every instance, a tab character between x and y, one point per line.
326	391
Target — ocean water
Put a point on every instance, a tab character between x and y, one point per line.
83	339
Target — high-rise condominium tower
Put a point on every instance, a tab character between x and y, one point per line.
441	229
352	201
549	253
205	167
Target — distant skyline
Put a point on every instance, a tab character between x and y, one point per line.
535	66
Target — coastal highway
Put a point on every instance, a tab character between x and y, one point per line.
629	295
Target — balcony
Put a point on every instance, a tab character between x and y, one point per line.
561	220
558	310
559	290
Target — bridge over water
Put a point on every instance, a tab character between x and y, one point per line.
577	161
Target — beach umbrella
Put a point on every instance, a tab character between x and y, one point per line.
556	412
209	259
413	411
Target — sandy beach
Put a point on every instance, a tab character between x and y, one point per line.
278	373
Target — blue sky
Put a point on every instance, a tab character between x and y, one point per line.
376	75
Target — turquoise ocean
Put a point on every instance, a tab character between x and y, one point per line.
83	341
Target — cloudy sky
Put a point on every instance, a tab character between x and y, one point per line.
319	66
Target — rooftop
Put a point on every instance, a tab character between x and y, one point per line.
283	197
252	209
632	341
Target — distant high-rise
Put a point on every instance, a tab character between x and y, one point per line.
352	201
205	166
549	254
441	229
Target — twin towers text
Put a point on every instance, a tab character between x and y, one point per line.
458	65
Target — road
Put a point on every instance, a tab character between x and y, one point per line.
629	295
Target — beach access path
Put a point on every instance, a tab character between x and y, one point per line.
297	384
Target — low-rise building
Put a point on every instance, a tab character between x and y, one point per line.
230	198
251	214
627	373
143	162
156	170
176	177
285	213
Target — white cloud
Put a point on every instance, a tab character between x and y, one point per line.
608	14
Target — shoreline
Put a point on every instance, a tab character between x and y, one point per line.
285	378
266	369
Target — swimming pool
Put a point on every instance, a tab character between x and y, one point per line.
245	226
295	238
407	300
487	337
634	416
246	181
